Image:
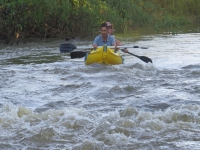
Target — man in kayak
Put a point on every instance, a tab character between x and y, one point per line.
110	32
105	38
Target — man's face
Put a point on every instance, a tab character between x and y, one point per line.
104	31
109	30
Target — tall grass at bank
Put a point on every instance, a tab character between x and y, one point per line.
22	19
184	9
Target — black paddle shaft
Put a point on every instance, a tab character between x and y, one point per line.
67	47
143	58
77	54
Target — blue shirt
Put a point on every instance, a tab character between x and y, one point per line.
99	41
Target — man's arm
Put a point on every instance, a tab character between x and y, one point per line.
94	46
113	41
118	43
95	43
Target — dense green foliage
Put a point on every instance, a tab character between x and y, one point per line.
182	9
21	19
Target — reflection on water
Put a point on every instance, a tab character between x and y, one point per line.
134	34
33	59
49	101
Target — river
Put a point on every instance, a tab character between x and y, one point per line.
49	101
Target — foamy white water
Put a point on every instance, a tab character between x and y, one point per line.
49	101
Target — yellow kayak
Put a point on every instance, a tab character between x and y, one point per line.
103	55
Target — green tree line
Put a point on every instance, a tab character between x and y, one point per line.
22	19
188	10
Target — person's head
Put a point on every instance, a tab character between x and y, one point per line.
109	28
104	29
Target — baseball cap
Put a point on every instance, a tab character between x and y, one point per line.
108	24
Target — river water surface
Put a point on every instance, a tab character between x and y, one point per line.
49	101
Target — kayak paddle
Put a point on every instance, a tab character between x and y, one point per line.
143	58
78	54
68	47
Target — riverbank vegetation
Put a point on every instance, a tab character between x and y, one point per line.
186	10
23	19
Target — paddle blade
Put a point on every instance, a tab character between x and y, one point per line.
77	54
145	59
67	47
